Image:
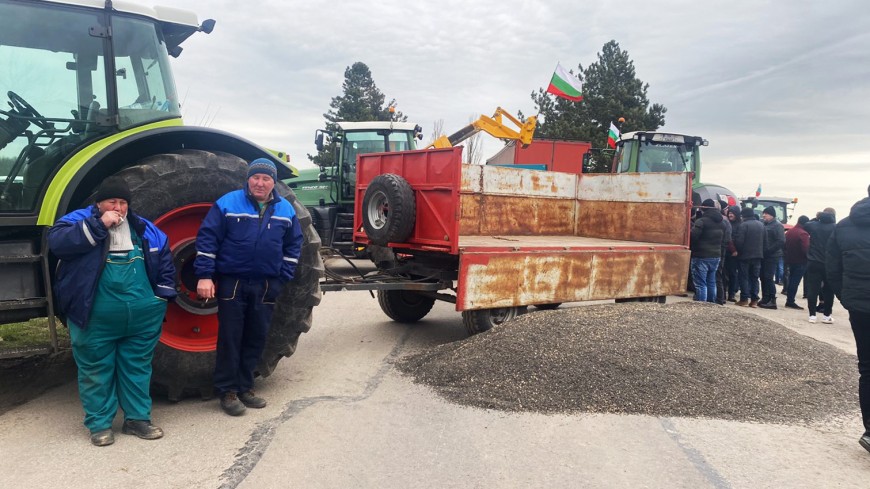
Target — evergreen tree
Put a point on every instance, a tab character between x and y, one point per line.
361	101
611	90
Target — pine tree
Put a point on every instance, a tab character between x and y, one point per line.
611	90
361	101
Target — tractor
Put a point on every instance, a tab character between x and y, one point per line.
90	94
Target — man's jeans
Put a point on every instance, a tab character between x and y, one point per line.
704	278
768	284
795	274
749	272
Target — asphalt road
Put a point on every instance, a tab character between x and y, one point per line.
340	415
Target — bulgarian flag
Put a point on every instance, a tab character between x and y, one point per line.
612	136
758	191
565	85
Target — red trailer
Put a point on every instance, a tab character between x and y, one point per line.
561	156
494	240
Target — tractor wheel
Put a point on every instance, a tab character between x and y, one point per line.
175	191
404	306
389	209
480	320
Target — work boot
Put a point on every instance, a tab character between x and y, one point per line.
792	305
252	401
742	303
103	438
864	441
771	304
141	428
231	404
753	303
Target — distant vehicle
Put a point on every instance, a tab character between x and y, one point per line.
784	207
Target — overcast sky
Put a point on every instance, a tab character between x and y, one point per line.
780	89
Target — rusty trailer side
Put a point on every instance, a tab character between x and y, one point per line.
525	237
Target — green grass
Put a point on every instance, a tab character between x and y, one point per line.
33	333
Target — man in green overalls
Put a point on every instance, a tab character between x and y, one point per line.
113	282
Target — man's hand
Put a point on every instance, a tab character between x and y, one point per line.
111	218
205	288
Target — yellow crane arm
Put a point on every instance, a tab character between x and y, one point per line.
494	127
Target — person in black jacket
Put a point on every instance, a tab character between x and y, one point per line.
732	264
749	241
847	262
707	235
774	241
814	280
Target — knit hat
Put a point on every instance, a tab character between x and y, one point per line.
708	203
746	213
770	211
264	166
113	187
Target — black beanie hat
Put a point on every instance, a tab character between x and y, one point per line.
746	213
770	211
113	187
708	203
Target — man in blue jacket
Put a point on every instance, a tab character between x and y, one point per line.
247	248
847	267
114	279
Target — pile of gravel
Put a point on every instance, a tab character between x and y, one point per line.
685	359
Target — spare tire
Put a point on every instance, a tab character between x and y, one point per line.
389	209
175	191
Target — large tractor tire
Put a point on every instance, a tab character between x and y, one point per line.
175	191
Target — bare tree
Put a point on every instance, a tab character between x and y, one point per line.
473	146
437	129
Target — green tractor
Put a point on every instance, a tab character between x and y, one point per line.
90	94
328	191
655	152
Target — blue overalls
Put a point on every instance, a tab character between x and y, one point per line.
114	352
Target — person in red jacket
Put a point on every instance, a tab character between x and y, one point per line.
797	246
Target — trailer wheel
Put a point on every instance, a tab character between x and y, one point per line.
388	209
480	320
175	191
404	306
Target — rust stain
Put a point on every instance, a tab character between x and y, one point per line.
655	222
515	279
526	216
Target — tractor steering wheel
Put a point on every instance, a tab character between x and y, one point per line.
24	109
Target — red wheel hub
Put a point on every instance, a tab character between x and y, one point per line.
191	324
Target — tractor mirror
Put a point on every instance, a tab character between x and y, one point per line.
318	140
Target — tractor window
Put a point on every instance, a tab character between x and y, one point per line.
665	157
51	76
146	91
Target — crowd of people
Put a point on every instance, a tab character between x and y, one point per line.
732	250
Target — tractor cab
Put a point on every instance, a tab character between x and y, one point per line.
784	207
74	72
657	152
355	138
